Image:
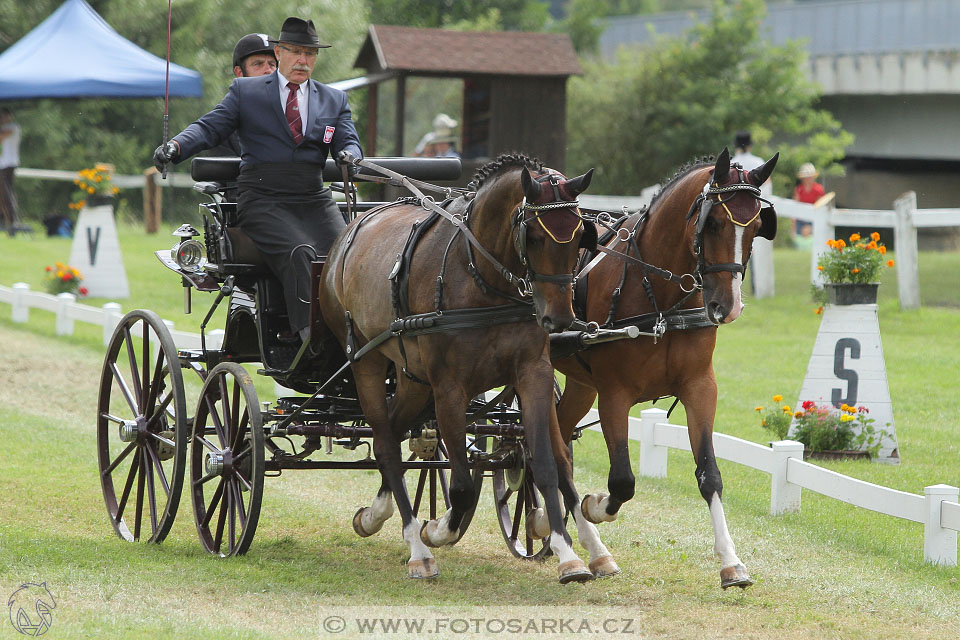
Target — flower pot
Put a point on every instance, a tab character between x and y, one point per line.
99	200
845	293
836	455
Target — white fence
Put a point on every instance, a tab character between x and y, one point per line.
68	311
937	509
904	219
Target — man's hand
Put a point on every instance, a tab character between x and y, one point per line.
165	154
347	159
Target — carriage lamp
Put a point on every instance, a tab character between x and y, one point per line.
189	254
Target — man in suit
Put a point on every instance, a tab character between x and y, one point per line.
252	56
288	124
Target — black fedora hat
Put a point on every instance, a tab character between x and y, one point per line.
299	32
250	44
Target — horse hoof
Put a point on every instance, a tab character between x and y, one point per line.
538	525
604	567
592	511
422	569
358	524
574	571
425	537
735	576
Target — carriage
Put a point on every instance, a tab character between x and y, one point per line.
149	433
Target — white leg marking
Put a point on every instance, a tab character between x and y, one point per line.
561	549
379	512
411	534
439	531
589	537
723	544
596	506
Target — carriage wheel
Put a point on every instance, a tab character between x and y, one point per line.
430	480
141	428
226	461
514	495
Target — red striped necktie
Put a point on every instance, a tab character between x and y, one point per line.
293	113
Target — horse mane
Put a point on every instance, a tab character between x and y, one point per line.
683	171
504	161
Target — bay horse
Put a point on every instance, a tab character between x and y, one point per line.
701	225
440	319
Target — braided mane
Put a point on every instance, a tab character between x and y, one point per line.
693	165
504	161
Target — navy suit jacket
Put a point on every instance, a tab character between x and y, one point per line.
252	108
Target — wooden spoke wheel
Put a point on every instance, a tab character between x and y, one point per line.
226	461
141	428
515	495
433	489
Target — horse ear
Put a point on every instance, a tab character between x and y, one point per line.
722	168
578	185
759	175
531	188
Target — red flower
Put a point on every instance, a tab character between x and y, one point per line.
83	291
49	268
68	276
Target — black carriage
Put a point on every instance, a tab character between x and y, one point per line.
149	433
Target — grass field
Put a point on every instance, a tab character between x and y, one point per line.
830	571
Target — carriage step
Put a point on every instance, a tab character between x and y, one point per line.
280	356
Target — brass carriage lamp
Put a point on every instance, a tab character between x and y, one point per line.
189	254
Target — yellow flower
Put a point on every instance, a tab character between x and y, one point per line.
854	237
758	409
97	179
777	398
115	190
763	423
847	418
798	414
875	236
786	409
91	190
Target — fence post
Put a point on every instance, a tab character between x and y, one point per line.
21	308
905	244
653	458
152	201
784	496
939	544
111	318
762	259
64	319
823	230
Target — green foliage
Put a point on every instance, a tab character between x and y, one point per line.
652	110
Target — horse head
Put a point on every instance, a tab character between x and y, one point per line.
548	233
725	219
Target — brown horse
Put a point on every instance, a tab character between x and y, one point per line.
701	225
522	224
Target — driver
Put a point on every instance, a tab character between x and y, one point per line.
287	124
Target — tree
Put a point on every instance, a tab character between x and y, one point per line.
650	111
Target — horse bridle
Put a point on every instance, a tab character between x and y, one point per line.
704	203
519	229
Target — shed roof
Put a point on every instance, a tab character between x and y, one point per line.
445	52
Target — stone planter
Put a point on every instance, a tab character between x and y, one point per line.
846	293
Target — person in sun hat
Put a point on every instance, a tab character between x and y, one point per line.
288	124
807	190
443	126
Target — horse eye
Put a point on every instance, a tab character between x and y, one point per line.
713	225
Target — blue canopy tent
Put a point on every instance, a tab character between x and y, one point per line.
75	54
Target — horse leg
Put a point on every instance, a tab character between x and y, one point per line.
369	520
451	409
602	563
539	413
614	412
701	409
370	375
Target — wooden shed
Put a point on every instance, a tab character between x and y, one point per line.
513	88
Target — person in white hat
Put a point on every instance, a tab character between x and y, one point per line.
440	141
807	190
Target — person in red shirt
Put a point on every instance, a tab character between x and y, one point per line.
809	191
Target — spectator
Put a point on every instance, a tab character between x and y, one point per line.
809	191
443	126
9	161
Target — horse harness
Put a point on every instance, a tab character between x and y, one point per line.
519	307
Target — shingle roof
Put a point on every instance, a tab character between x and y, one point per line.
441	51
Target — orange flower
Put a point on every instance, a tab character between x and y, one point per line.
889	263
777	398
872	245
831	242
854	237
875	236
839	244
818	310
854	270
819	268
882	250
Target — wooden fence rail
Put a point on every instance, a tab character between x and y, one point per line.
938	509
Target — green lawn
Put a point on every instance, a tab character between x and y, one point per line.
830	571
